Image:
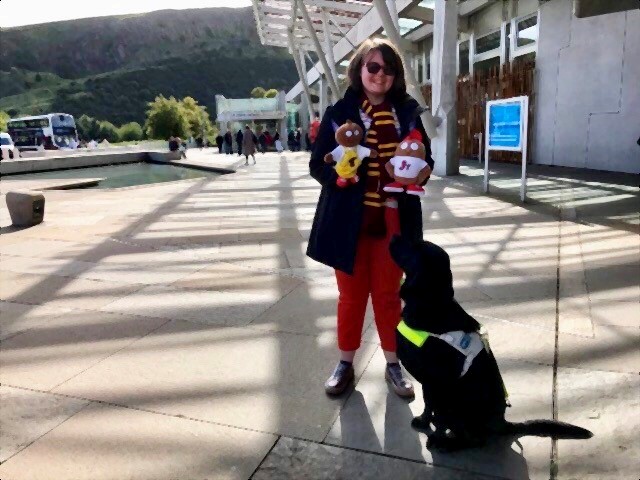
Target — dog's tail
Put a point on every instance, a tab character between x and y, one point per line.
546	428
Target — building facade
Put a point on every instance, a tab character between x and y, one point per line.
586	107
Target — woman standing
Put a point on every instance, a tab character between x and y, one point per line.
278	143
353	226
248	145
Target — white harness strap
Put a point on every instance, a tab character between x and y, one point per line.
468	344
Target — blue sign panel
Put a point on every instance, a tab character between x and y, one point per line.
504	125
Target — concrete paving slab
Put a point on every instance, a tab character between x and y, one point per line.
150	268
45	266
225	277
612	348
99	443
296	459
18	317
607	403
512	325
196	305
620	314
310	308
55	291
38	248
242	377
55	351
28	415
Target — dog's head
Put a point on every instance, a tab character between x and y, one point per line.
428	287
426	266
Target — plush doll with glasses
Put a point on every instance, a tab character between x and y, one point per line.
349	154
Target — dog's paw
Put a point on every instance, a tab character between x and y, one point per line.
422	423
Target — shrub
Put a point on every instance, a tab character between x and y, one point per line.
166	117
130	132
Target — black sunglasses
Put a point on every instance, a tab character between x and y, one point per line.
375	67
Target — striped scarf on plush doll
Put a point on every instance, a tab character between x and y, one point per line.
381	136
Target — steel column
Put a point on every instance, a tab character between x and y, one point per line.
410	79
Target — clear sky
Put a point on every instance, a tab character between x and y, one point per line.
14	13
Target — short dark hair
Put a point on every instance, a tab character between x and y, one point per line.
391	58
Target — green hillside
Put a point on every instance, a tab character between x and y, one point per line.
110	67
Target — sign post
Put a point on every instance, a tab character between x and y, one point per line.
506	124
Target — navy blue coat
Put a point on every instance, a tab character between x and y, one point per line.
337	222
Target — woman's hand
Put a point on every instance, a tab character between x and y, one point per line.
424	175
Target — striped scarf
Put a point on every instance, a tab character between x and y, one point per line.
382	136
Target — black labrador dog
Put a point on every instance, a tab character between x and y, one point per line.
465	397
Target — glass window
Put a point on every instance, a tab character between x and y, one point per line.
408	24
527	31
463	55
488	42
428	4
486	65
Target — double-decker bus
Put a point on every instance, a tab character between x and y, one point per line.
53	130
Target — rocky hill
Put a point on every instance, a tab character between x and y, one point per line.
109	67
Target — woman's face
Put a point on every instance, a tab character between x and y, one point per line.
378	83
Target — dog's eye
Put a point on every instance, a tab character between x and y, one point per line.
349	133
414	146
404	145
356	133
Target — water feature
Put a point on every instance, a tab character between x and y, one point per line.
116	176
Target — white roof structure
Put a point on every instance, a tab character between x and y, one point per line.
276	18
333	29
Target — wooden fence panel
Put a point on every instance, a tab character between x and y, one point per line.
474	91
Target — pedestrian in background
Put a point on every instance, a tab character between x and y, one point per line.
239	142
228	143
278	142
248	145
219	142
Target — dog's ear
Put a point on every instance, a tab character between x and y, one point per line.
403	252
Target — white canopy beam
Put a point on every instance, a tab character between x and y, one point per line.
329	48
323	60
410	79
343	6
283	12
299	61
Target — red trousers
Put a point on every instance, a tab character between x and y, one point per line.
376	274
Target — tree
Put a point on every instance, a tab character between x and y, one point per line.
129	132
88	127
271	93
258	92
166	117
197	116
4	118
109	132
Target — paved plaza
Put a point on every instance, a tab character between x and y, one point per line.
178	331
